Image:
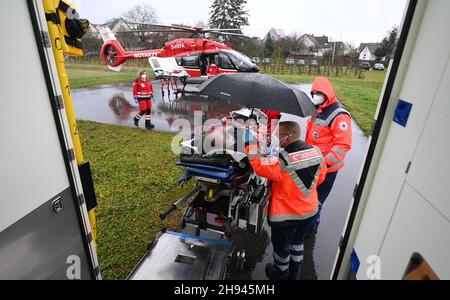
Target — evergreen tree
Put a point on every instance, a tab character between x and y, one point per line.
269	46
228	14
387	47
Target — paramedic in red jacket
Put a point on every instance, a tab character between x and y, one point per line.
331	131
212	70
294	174
143	94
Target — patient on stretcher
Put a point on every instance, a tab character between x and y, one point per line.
221	144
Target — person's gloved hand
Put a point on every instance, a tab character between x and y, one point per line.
249	137
136	100
273	149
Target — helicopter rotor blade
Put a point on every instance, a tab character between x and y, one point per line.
229	33
180	31
159	28
164	26
222	29
183	28
154	31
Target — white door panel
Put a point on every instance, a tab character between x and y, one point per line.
416	227
430	169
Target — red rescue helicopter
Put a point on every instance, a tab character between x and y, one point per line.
192	55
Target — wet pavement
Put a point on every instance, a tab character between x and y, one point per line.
114	104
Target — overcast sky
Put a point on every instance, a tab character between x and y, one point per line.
353	21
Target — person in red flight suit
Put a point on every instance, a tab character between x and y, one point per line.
143	94
331	131
294	174
212	70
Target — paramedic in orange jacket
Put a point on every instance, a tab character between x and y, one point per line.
331	131
294	174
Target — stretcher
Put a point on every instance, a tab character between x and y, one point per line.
228	196
224	200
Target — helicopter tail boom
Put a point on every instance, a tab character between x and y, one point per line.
114	55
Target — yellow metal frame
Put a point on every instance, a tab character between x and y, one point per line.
60	48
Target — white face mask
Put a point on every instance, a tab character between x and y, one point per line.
318	99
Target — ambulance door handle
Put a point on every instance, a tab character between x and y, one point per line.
57	205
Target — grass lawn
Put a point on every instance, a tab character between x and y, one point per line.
85	75
80	78
134	173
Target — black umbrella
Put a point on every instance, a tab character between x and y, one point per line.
254	90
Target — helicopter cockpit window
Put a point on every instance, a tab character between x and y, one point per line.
241	61
225	62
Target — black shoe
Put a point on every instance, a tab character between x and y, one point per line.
149	125
136	122
272	273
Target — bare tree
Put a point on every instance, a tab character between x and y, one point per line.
279	52
252	47
92	44
141	14
294	41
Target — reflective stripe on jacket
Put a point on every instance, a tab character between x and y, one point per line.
331	130
295	175
143	89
